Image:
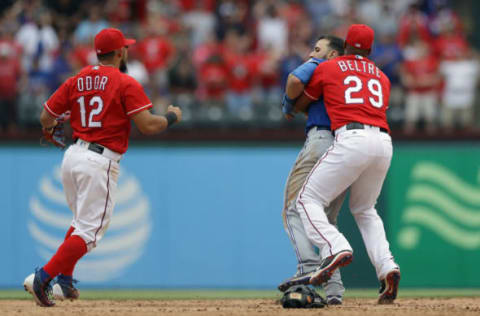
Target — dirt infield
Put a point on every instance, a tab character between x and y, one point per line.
404	307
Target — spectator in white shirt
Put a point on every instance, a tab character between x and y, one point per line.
461	79
38	40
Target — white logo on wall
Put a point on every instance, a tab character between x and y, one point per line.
122	244
441	202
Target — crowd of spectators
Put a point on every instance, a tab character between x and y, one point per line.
226	61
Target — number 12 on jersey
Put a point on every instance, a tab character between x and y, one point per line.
373	85
96	103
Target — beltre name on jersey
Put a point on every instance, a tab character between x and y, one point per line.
353	65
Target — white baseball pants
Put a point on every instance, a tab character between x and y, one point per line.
358	159
89	182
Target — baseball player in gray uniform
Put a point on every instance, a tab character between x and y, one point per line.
319	139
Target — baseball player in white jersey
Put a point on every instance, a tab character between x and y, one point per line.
102	101
319	139
356	94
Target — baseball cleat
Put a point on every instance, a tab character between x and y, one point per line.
389	287
329	265
295	280
334	299
40	289
28	283
63	288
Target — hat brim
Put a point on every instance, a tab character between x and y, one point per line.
129	41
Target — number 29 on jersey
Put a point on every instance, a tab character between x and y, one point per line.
354	94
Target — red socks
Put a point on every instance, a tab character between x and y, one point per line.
64	261
69	232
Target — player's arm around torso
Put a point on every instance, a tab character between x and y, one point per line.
296	82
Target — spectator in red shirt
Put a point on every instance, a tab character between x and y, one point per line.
204	51
10	74
420	76
242	74
413	23
213	81
266	67
450	44
156	51
82	55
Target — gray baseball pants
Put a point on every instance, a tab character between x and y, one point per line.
316	144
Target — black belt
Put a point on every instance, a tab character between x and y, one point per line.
319	128
356	125
95	147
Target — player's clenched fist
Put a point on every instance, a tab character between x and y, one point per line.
177	111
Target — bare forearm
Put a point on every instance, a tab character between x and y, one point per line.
156	124
302	103
47	120
294	87
148	123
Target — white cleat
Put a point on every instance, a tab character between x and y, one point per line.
28	283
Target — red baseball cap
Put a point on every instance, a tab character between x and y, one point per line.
360	36
108	40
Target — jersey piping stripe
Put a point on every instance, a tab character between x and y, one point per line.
300	196
139	109
106	202
310	96
292	236
288	226
313	225
45	105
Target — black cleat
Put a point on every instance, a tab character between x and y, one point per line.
329	265
295	280
389	287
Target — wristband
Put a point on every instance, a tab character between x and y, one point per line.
287	104
171	118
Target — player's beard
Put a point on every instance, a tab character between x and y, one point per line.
123	66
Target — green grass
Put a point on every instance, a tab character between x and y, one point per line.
235	294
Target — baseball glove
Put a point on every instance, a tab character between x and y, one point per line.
302	296
56	134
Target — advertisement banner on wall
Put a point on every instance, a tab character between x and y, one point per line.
434	215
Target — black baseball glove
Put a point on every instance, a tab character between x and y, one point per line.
302	296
